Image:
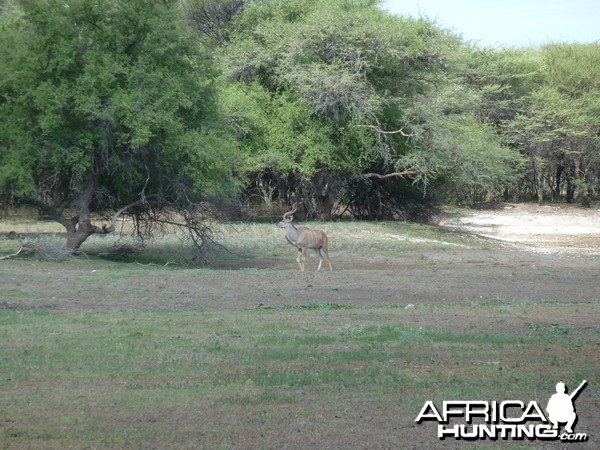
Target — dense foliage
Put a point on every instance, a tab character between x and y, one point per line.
339	103
138	105
107	105
343	93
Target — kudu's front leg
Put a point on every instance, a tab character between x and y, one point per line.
299	259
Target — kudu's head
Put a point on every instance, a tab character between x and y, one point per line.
288	217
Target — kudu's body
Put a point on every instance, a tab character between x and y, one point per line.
304	238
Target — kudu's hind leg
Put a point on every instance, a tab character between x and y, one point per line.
320	255
326	251
318	252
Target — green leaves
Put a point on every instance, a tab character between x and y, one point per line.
302	94
106	87
328	73
109	105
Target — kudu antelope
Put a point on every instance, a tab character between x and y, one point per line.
304	238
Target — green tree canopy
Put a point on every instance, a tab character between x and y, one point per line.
557	127
107	105
325	93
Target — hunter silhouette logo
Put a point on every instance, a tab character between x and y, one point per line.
560	407
509	419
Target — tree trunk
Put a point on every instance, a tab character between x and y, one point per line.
578	177
559	172
78	235
538	179
570	190
539	187
327	202
80	227
570	184
319	194
574	179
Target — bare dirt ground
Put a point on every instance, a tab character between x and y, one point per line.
550	229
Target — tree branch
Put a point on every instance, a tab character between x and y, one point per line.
404	173
380	131
14	254
113	223
53	213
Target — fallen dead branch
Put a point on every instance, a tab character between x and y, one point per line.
157	265
14	254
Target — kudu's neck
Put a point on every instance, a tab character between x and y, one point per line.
291	232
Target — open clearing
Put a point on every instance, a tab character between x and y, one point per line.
250	353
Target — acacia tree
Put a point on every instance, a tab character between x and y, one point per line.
339	100
557	126
321	78
107	106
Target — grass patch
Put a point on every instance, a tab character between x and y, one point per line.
76	378
314	305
